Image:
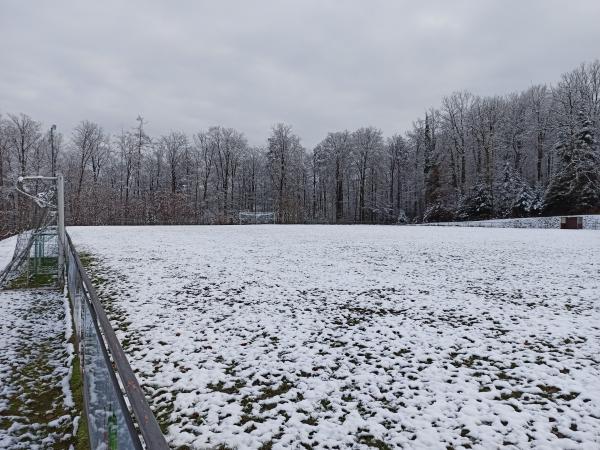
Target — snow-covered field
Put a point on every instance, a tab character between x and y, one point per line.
355	336
36	404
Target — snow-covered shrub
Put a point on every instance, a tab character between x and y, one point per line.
438	213
402	218
477	204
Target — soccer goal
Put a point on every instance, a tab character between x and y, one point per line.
38	259
254	217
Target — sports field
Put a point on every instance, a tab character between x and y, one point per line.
354	336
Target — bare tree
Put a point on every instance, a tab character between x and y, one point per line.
173	146
334	155
87	140
23	138
285	159
368	145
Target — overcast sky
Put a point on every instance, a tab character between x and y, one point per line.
318	65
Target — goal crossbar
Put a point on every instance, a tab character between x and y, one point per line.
256	217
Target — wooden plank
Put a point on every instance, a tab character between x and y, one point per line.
153	437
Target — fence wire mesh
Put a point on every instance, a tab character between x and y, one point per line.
110	424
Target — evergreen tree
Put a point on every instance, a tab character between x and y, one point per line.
478	204
516	197
575	188
527	202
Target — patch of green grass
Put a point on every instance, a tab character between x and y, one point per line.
266	446
312	421
38	399
267	406
269	392
163	415
86	259
48	266
250	418
82	439
326	404
220	387
370	441
33	281
508	395
347	397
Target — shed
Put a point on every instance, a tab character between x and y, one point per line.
571	223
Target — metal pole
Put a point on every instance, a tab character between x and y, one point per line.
52	156
60	194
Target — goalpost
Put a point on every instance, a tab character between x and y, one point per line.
256	217
39	250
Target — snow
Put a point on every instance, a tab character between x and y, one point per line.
66	381
36	406
349	336
7	248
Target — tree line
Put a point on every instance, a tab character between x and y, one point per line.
528	153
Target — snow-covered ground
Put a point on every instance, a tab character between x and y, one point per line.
7	248
356	336
36	404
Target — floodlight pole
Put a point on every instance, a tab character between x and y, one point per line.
52	155
60	200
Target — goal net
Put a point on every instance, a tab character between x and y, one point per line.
36	255
250	217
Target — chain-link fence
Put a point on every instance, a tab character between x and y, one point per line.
590	222
110	388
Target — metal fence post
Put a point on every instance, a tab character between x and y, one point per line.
60	194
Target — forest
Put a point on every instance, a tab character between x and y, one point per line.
527	153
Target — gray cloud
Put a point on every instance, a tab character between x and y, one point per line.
318	65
